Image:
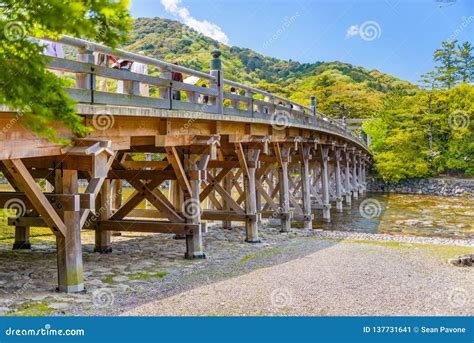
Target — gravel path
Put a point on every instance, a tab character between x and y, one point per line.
339	278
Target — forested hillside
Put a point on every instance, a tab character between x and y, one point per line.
341	88
419	131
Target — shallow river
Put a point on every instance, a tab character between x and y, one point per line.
423	215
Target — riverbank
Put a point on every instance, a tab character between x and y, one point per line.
432	186
146	269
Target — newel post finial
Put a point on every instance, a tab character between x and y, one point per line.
216	62
313	103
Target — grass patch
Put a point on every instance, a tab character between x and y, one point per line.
261	254
145	276
35	309
137	276
108	279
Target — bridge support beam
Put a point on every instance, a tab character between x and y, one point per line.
194	246
176	197
103	241
359	175
306	188
283	156
355	184
337	162
22	238
347	179
69	247
227	185
250	190
324	159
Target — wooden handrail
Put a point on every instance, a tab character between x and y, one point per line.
296	112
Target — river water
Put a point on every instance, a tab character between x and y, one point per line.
406	214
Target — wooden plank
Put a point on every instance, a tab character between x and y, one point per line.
144	226
158	165
227	215
141	174
239	150
175	161
60	202
27	184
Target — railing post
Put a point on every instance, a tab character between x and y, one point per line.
271	108
164	92
216	71
249	103
83	80
313	104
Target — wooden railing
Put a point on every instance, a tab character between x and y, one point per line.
216	98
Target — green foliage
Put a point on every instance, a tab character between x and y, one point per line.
24	83
341	88
400	134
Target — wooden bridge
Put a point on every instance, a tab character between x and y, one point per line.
240	156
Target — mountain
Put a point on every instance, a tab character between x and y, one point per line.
340	88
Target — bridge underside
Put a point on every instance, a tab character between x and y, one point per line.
191	168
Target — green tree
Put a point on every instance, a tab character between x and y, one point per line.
448	70
466	62
25	84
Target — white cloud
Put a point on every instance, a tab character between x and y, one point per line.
352	31
203	26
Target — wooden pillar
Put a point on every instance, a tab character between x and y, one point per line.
337	154
176	197
361	176
117	199
355	185
250	190
347	179
69	248
227	185
103	238
306	188
324	150
22	238
194	246
284	190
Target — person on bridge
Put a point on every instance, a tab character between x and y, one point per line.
177	76
141	68
204	99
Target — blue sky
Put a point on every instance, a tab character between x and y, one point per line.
394	36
